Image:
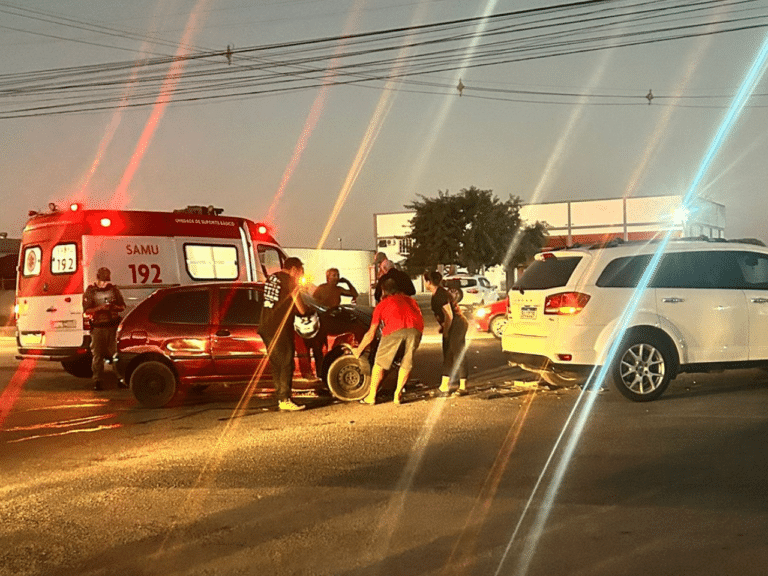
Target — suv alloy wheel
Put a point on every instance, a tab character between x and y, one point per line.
643	367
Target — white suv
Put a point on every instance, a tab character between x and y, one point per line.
705	308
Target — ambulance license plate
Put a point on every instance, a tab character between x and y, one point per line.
31	339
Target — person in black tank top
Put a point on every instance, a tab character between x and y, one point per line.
453	326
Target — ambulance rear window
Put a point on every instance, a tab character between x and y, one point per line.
211	262
64	259
33	255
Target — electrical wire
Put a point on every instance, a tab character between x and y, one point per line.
369	59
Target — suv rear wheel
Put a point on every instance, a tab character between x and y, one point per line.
643	367
153	384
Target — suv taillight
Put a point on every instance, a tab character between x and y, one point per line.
565	303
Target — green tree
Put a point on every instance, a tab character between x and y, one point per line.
470	229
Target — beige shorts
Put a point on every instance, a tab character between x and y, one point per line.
390	344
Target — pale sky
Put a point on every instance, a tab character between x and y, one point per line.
575	126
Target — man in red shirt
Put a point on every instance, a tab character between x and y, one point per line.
402	323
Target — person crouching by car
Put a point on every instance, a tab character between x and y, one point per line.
402	323
453	326
281	302
102	303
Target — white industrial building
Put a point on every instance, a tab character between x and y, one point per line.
585	221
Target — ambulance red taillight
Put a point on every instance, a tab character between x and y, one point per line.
565	303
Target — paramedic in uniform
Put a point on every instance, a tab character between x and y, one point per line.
102	302
281	302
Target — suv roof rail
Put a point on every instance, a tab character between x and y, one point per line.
753	241
612	243
618	241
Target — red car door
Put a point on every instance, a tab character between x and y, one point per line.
239	353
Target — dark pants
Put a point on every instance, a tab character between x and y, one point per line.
316	346
454	357
103	342
282	349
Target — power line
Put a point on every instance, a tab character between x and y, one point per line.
362	59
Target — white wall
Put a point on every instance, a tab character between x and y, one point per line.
352	264
393	224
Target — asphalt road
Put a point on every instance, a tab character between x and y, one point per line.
498	482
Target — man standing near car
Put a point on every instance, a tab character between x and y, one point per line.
330	293
281	302
102	303
401	279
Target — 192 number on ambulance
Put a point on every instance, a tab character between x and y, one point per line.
142	273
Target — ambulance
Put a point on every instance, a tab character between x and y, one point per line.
61	250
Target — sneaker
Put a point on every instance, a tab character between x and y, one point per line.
460	392
289	406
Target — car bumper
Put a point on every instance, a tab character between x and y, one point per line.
54	354
537	363
577	342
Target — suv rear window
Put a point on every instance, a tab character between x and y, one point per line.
191	307
548	273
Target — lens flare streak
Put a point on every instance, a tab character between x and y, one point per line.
465	547
67	433
11	394
312	119
61	424
175	73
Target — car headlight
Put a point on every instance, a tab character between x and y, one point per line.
481	312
